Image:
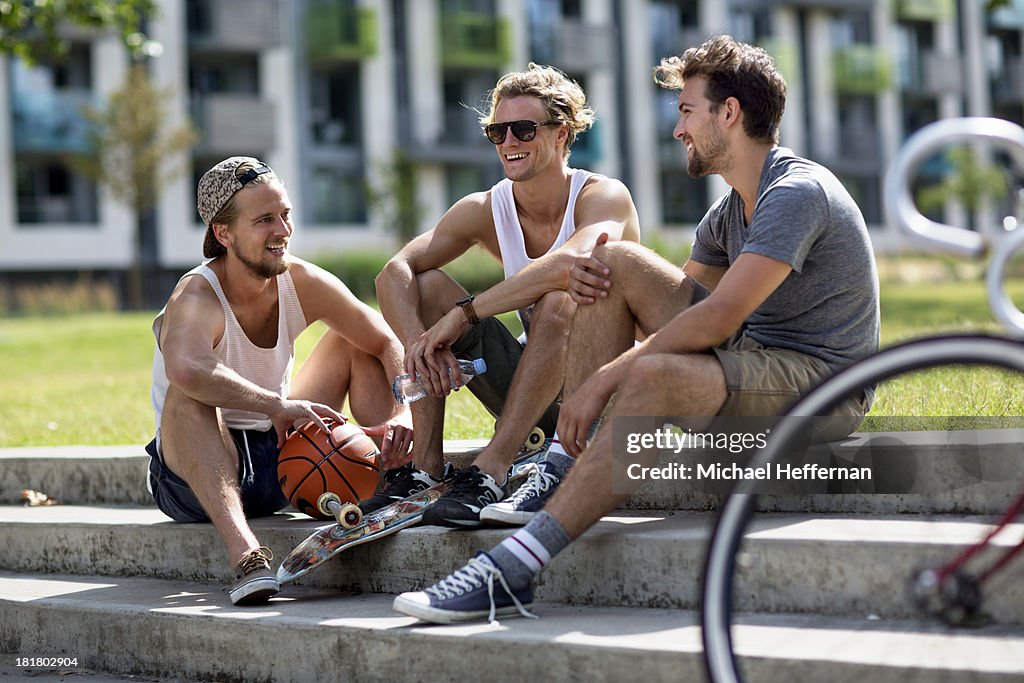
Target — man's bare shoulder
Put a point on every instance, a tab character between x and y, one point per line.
603	188
192	308
472	212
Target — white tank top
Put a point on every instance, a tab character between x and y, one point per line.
269	368
511	243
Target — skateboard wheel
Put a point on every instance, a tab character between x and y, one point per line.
535	440
323	503
350	516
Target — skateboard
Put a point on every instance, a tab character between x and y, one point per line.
354	529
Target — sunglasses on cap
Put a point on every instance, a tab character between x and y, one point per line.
523	130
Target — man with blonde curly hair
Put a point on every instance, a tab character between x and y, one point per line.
536	222
779	292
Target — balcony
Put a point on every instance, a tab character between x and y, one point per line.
474	40
861	70
340	31
234	25
234	124
576	46
51	121
1008	17
926	10
1008	88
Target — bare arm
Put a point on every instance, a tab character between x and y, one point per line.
193	325
325	297
604	210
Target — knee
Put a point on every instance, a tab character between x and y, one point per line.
553	312
438	293
621	253
181	409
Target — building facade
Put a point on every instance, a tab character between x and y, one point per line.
337	94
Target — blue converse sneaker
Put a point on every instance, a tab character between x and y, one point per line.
400	483
528	500
475	591
472	490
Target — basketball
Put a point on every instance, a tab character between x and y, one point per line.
313	463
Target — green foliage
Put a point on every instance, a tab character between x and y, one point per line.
131	144
357	269
394	195
969	182
31	29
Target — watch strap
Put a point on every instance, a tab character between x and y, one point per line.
467	307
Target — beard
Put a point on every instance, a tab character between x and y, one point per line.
700	164
261	268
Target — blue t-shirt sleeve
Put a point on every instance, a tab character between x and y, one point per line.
788	219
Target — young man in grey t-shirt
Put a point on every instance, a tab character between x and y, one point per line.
779	292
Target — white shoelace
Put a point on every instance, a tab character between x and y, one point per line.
476	573
537	483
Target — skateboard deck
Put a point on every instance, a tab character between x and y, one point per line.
328	541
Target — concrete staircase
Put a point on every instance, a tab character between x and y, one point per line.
105	578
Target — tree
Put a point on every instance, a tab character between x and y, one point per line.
968	182
130	147
394	196
31	29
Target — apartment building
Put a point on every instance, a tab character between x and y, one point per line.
330	91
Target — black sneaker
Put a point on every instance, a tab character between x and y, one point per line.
399	484
471	491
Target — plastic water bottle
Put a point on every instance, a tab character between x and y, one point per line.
407	390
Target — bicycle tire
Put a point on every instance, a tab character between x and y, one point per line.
738	508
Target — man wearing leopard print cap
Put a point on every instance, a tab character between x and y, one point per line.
222	388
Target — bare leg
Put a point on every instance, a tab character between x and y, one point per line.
648	291
198	448
438	294
336	370
691	384
537	380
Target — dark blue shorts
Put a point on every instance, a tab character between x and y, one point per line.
257	467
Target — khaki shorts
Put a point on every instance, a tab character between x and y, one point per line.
763	381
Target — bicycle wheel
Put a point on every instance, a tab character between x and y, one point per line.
737	510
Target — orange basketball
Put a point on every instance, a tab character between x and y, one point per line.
313	463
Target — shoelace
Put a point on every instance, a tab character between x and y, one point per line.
537	483
255	560
467	482
475	574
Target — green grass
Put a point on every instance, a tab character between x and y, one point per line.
84	379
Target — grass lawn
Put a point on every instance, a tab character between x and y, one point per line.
84	379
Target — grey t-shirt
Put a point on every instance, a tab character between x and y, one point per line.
828	305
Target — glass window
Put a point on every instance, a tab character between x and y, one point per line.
50	192
334	107
339	196
684	199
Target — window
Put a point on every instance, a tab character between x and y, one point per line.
338	196
334	107
684	199
50	192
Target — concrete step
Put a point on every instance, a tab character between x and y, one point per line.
915	472
167	629
839	564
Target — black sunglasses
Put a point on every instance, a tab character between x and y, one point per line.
523	130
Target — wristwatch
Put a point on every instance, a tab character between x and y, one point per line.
466	305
